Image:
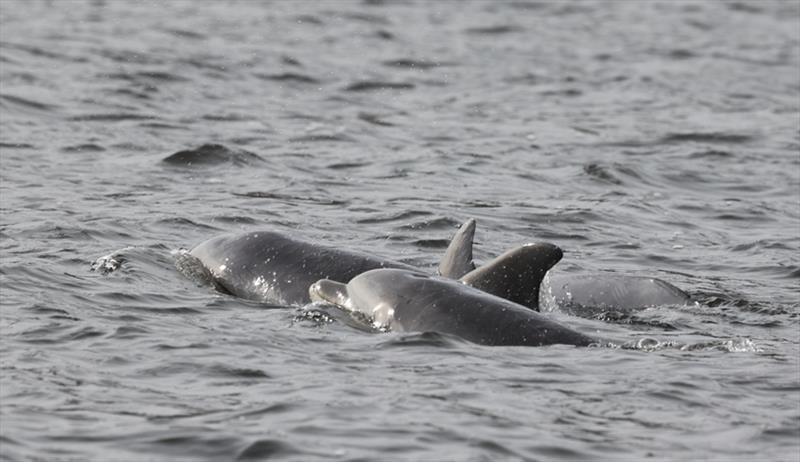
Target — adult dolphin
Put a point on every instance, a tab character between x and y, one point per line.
272	267
578	293
409	301
587	294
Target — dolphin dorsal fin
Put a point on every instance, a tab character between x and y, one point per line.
517	274
457	259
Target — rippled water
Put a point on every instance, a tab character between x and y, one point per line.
645	138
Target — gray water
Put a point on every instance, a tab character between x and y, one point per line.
643	138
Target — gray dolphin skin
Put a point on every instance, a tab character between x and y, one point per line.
457	260
409	301
517	274
584	293
271	267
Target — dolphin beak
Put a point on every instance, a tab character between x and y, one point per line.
314	292
329	291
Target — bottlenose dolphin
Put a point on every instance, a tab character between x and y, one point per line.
272	267
586	294
409	301
509	276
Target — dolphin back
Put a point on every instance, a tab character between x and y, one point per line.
271	267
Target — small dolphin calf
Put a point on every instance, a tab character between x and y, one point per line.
409	301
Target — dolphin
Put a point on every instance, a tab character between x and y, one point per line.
272	267
583	293
409	301
520	277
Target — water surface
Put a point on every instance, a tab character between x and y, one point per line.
643	138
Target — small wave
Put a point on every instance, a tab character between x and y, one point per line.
110	263
183	33
319	314
129	332
601	173
711	153
46	335
36	51
562	92
408	63
374	119
373	85
235	219
744	7
225	370
740	345
423	339
384	35
182	222
89	147
193	269
681	53
158	76
110	117
629	318
448	224
494	30
267	449
288	77
212	154
711	137
17	146
309	19
400	216
431	243
291	61
320	137
347	165
129	57
27	103
364	17
315	316
166	346
291	198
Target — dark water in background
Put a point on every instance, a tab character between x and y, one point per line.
643	138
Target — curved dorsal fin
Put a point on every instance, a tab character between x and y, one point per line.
457	259
517	274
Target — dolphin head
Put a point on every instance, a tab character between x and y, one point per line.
374	294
